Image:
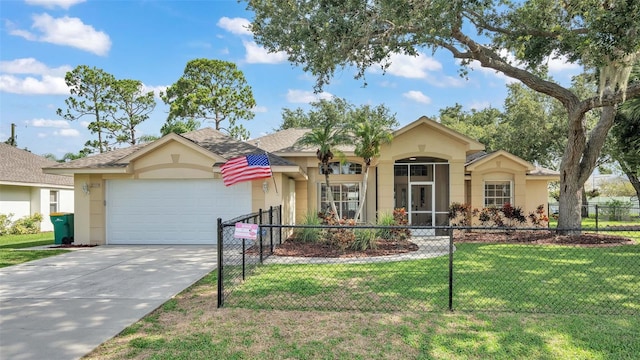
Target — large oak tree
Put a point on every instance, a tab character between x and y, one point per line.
512	37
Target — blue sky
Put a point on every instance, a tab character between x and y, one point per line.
151	41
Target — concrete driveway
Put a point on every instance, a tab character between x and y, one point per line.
62	307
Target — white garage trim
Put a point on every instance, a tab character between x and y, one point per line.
171	211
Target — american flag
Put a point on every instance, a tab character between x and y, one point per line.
245	168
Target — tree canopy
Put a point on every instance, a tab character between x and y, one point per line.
211	90
512	37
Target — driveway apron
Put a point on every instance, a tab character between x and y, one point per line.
62	307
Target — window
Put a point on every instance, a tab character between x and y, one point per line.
497	193
347	168
53	201
346	197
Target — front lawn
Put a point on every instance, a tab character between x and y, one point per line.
306	311
11	245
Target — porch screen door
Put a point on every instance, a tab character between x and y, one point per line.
421	212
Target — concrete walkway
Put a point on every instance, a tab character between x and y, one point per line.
62	307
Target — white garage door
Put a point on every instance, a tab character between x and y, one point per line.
171	211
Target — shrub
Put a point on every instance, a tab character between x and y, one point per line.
385	219
309	234
364	239
5	223
26	225
539	218
461	214
400	218
616	210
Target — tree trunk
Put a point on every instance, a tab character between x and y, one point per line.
365	179
632	176
329	191
578	162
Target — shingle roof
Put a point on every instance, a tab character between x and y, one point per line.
21	166
208	138
284	141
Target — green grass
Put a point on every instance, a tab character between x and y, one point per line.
189	326
488	277
28	240
10	245
590	223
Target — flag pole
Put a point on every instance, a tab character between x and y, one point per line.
275	186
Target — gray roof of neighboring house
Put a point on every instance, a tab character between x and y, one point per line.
284	141
207	138
21	166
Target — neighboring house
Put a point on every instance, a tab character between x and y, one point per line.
25	189
170	191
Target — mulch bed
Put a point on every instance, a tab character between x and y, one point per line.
291	247
66	246
543	237
383	248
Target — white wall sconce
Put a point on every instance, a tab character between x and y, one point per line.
265	186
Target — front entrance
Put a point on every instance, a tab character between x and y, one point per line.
421	187
421	212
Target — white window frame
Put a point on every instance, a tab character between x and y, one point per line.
494	197
339	202
54	201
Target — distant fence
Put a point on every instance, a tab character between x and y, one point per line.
619	211
468	269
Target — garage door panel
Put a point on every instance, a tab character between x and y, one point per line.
171	211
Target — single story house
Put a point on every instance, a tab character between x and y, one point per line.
170	191
25	189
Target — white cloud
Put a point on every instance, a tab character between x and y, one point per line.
412	67
259	55
305	97
260	109
238	26
84	124
31	66
51	4
156	89
67	31
479	105
62	124
67	133
42	135
48	85
561	64
417	96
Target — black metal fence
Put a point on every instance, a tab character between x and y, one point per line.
411	269
611	211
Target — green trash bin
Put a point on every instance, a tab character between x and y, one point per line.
62	227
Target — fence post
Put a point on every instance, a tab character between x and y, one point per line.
450	269
220	265
597	217
260	233
280	223
270	228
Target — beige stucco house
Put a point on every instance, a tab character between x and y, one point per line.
25	190
170	191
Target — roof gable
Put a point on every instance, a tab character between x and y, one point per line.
165	140
482	160
471	144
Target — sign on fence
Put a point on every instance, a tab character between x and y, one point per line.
246	231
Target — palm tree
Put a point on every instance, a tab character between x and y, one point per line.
329	134
371	128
